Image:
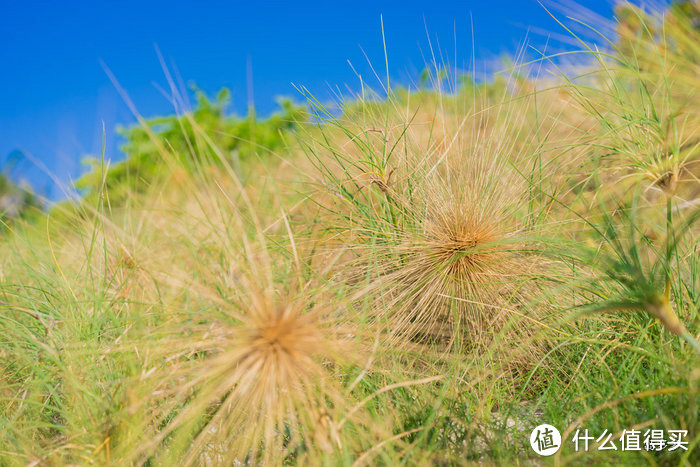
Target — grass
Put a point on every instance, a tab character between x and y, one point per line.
421	278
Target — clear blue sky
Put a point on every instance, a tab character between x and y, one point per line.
54	94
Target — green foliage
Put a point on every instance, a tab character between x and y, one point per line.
15	202
150	147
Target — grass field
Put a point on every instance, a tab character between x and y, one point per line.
420	278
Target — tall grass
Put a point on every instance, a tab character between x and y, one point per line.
421	278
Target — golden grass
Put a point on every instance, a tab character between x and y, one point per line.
382	297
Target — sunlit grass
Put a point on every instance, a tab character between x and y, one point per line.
420	278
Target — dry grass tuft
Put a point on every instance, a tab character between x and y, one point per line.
255	375
443	230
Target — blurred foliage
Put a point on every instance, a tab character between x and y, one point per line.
16	202
635	25
189	139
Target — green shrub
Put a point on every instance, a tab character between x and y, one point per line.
148	147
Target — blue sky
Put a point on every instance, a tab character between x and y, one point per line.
55	95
